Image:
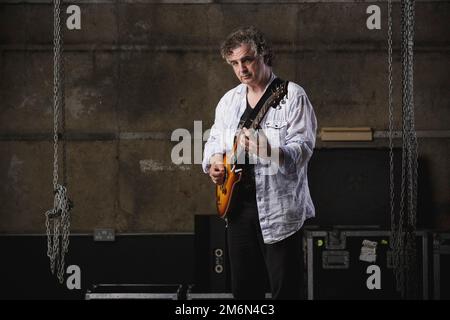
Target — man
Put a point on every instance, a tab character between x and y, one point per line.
271	206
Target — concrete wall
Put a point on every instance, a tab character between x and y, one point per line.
137	70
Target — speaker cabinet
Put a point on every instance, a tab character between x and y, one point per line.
211	263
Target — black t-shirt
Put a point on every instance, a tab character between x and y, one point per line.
248	169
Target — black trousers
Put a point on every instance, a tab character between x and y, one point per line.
252	261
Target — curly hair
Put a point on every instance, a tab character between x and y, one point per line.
251	36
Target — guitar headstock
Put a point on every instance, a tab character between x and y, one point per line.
278	95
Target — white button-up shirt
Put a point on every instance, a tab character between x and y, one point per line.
282	193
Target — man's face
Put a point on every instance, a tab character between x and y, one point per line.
248	67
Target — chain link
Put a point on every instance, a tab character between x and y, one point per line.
56	85
57	220
403	229
391	125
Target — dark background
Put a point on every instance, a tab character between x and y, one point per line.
138	70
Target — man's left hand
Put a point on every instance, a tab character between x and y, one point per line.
255	142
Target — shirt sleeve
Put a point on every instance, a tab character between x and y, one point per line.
300	135
215	143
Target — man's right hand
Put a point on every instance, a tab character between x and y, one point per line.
217	169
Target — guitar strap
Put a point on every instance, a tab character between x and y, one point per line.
247	120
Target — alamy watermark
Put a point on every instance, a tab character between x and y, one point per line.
262	146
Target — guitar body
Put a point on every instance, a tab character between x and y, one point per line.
224	192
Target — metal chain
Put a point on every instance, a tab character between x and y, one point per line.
397	226
65	206
56	85
403	229
399	257
394	240
391	126
57	220
412	168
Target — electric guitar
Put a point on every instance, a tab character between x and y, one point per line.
233	170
